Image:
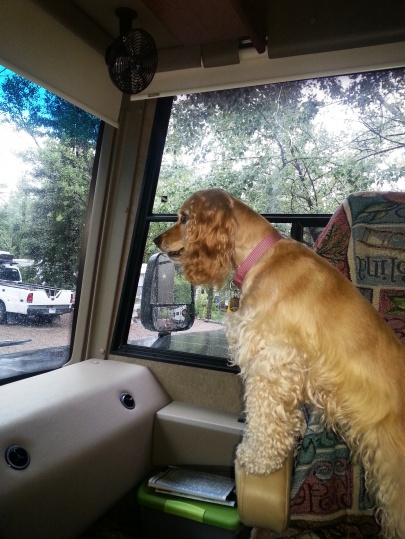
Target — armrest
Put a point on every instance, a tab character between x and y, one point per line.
185	434
264	500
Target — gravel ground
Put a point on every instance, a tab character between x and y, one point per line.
58	333
39	335
137	331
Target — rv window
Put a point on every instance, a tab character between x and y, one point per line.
292	151
47	151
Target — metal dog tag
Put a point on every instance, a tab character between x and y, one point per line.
234	304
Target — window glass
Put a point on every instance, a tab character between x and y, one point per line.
47	151
290	150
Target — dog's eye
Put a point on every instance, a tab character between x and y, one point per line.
183	218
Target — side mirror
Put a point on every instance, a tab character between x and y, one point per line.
167	302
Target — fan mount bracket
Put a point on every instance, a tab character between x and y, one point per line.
125	15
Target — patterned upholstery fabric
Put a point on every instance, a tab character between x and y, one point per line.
365	240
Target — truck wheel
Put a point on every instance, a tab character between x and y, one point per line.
3	313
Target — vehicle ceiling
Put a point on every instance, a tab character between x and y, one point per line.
172	23
293	27
193	36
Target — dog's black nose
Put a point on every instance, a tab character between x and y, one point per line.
157	241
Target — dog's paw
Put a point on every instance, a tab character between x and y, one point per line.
258	462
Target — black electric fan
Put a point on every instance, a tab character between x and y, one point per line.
132	57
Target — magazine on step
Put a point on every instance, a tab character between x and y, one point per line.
196	485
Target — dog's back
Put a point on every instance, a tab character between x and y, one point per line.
354	363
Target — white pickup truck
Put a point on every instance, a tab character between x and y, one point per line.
26	299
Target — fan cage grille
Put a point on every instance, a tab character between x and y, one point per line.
132	61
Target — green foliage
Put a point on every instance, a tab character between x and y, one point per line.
71	124
6	242
21	103
30	108
57	196
203	308
272	147
377	99
43	220
269	145
182	291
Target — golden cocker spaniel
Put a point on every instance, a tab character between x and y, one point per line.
291	350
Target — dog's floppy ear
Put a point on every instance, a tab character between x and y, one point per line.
209	241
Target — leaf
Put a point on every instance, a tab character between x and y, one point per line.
334	245
399	305
376	211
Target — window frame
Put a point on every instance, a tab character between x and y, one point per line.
144	218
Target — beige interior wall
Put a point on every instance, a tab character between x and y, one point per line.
202	387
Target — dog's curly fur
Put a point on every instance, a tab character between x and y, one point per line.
302	334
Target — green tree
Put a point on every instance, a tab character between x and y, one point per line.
274	147
268	145
21	104
30	108
6	242
56	194
376	127
44	219
377	101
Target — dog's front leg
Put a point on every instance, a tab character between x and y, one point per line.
274	420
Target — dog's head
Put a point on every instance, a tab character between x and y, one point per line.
202	240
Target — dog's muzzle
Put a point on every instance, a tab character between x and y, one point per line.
173	255
157	241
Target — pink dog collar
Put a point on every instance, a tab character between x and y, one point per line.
254	256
